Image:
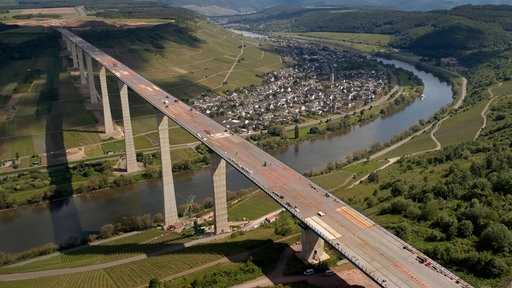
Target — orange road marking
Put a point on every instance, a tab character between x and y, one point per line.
412	276
354	217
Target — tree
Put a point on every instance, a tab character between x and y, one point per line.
277	130
208	202
140	156
465	229
107	230
398	189
314	130
496	238
154	283
159	218
373	177
5	201
403	231
297	131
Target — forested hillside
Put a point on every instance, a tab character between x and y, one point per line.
258	5
444	33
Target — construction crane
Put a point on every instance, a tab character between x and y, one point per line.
188	208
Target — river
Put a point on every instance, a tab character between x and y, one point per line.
33	226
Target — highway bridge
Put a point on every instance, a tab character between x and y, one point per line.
385	258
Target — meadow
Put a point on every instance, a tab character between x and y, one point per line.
252	207
355	41
461	126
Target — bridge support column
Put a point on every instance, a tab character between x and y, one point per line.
68	43
312	247
131	160
81	65
218	169
170	210
107	114
90	77
73	55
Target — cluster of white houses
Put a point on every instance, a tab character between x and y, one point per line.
314	84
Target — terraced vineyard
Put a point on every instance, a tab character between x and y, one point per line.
145	242
138	273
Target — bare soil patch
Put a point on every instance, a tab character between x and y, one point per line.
179	70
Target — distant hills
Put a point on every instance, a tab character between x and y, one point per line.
231	7
461	31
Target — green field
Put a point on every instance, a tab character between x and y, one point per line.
418	143
254	206
462	126
334	180
503	90
357	41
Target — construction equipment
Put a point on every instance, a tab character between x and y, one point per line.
188	208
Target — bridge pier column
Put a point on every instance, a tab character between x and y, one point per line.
131	160
218	169
170	210
312	247
73	55
68	43
107	114
81	65
90	77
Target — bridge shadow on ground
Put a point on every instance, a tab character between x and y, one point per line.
274	259
63	214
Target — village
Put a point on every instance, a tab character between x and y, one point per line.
319	81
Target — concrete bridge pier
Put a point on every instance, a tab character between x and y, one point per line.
74	56
170	210
68	43
107	114
131	160
312	247
81	65
90	78
218	169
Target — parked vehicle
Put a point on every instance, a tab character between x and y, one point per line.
328	272
309	272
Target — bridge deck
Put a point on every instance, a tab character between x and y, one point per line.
389	261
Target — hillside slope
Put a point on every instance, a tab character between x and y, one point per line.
216	7
450	33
